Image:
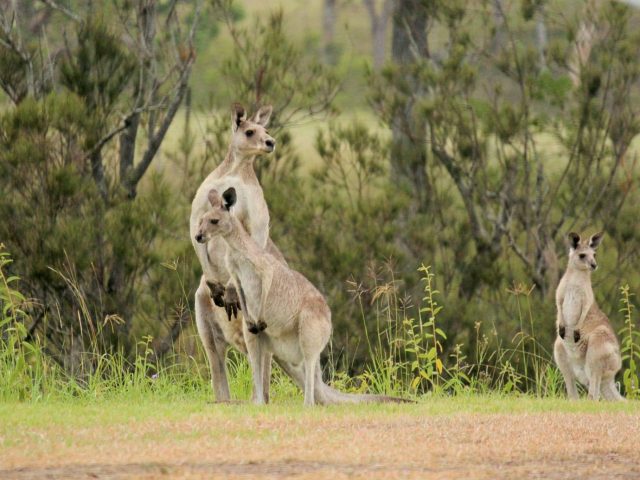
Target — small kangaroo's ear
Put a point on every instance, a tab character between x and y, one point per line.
262	116
595	240
573	239
238	115
214	198
229	197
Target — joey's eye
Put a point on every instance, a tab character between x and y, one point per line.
249	133
213	221
582	256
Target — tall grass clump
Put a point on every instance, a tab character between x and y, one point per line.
29	373
630	346
406	348
23	367
409	354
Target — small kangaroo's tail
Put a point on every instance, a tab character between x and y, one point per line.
330	396
327	395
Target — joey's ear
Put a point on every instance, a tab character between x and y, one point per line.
238	115
262	116
573	239
229	197
214	198
595	240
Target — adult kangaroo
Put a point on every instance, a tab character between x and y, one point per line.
586	348
220	327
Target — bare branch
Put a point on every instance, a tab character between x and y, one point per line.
157	136
69	13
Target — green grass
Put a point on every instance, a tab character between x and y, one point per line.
76	414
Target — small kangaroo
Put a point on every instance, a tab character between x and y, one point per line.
586	348
299	319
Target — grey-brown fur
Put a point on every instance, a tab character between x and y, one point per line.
586	349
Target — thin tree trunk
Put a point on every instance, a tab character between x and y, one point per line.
378	31
498	25
128	144
541	35
408	150
379	23
329	30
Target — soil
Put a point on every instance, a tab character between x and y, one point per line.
479	446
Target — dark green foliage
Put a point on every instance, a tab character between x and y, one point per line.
87	241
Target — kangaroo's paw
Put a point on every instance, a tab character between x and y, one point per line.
561	331
576	336
217	293
253	328
231	302
262	325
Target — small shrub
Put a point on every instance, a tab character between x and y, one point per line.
630	347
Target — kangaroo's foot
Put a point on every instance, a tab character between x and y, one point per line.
231	302
217	293
561	331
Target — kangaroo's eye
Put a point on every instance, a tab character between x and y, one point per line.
582	255
213	221
249	133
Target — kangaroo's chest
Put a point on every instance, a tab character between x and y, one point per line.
251	209
250	289
214	269
572	305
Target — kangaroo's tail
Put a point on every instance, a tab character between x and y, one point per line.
327	395
330	396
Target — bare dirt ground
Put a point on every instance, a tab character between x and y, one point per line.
326	445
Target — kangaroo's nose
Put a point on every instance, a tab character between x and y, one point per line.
594	266
199	238
270	143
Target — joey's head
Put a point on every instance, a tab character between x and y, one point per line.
250	136
217	221
582	253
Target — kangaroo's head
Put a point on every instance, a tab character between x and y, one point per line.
217	221
250	136
582	253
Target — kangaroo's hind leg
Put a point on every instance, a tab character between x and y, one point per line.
595	380
562	360
213	342
314	333
609	390
266	374
255	352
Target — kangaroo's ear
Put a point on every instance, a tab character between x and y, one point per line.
262	116
214	198
238	115
229	197
573	239
595	240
